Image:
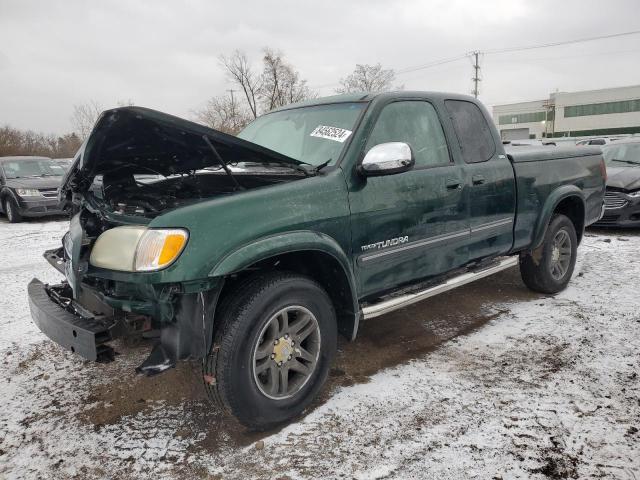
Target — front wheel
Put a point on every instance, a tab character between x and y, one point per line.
11	209
549	267
273	349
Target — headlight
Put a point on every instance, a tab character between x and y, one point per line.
138	249
28	192
635	194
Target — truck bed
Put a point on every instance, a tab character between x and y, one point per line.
536	153
539	171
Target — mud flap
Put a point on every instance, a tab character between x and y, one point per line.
188	335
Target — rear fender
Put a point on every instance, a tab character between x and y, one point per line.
549	207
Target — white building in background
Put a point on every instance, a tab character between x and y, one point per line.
611	111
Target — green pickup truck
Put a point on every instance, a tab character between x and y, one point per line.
252	253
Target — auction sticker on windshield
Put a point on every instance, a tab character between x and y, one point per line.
331	133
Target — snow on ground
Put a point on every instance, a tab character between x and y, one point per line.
548	388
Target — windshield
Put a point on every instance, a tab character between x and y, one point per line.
31	168
622	154
312	135
64	164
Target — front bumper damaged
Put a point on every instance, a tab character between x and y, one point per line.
183	314
70	326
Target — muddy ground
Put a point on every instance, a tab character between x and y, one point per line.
66	418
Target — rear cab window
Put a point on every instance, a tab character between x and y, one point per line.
473	132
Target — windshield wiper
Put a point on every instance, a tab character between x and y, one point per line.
222	162
310	169
323	164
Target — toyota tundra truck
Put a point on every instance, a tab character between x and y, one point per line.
252	253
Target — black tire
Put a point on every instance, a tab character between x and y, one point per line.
11	211
229	375
537	267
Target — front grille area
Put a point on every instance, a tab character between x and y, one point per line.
607	219
613	200
49	192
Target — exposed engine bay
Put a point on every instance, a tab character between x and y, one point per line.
151	195
139	162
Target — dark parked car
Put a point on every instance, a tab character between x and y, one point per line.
29	187
622	199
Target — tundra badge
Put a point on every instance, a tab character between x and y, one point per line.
392	242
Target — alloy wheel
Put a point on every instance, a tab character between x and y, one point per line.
286	353
560	254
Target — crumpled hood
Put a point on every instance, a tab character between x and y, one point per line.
626	178
136	140
34	182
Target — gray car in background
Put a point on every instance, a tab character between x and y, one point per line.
622	198
29	187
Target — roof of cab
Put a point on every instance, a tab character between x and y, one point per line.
368	96
342	98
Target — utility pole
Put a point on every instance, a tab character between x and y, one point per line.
233	100
476	72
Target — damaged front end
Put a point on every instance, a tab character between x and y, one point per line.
87	312
121	273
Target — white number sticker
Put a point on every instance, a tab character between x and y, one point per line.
332	133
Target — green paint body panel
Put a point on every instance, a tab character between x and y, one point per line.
226	233
338	211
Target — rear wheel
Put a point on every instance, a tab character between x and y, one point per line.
273	349
549	267
11	209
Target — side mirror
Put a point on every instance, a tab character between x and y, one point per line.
387	159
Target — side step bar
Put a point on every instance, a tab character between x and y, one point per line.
392	304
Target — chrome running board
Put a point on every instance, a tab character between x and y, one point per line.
386	306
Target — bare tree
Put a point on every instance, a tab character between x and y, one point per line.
67	145
84	117
28	142
278	84
241	73
281	84
224	113
368	78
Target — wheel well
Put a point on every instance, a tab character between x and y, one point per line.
321	267
573	208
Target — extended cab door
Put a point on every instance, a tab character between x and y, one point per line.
410	225
490	181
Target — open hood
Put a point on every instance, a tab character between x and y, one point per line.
136	140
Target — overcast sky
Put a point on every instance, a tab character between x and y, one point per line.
163	54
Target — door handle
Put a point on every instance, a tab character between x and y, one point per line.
477	180
452	184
